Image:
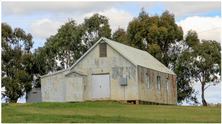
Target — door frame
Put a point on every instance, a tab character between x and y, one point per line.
109	83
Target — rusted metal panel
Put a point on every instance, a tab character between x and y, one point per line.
153	94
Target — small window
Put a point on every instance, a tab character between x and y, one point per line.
102	50
158	83
168	85
148	81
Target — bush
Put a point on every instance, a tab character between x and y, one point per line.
4	104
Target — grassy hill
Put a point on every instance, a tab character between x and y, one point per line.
106	112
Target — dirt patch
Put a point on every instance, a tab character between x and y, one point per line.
19	116
14	104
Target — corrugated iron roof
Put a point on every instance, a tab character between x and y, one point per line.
135	56
138	57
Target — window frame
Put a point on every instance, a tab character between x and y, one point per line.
168	85
148	80
158	83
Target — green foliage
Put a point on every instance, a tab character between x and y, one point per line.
16	62
206	59
161	30
199	62
192	38
155	50
95	27
66	45
120	36
70	43
106	112
185	90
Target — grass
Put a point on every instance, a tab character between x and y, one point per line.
4	104
108	112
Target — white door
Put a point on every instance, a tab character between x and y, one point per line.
101	86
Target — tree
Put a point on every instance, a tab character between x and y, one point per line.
199	62
16	62
40	65
134	34
95	27
120	36
185	90
206	59
66	45
163	31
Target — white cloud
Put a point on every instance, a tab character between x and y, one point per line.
117	18
44	28
58	7
180	9
208	28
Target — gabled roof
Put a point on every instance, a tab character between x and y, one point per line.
135	56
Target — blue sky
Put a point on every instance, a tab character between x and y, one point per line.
42	19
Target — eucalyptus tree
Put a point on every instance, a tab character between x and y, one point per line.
16	62
120	35
199	62
95	27
160	32
66	45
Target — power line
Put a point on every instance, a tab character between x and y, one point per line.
209	30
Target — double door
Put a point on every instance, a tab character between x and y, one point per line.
101	86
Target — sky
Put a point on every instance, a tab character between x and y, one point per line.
43	19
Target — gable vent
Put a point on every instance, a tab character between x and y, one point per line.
102	50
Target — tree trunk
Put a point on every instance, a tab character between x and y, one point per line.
203	99
13	101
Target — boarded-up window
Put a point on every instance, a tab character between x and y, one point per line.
148	81
102	50
168	85
158	83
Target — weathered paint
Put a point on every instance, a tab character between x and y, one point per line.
153	94
53	87
74	88
76	84
117	66
34	96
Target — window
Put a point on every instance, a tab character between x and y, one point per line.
148	81
168	85
102	50
158	83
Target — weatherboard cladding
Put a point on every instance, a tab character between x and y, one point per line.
136	56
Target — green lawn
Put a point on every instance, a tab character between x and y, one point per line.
106	112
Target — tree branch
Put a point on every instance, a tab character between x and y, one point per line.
207	87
